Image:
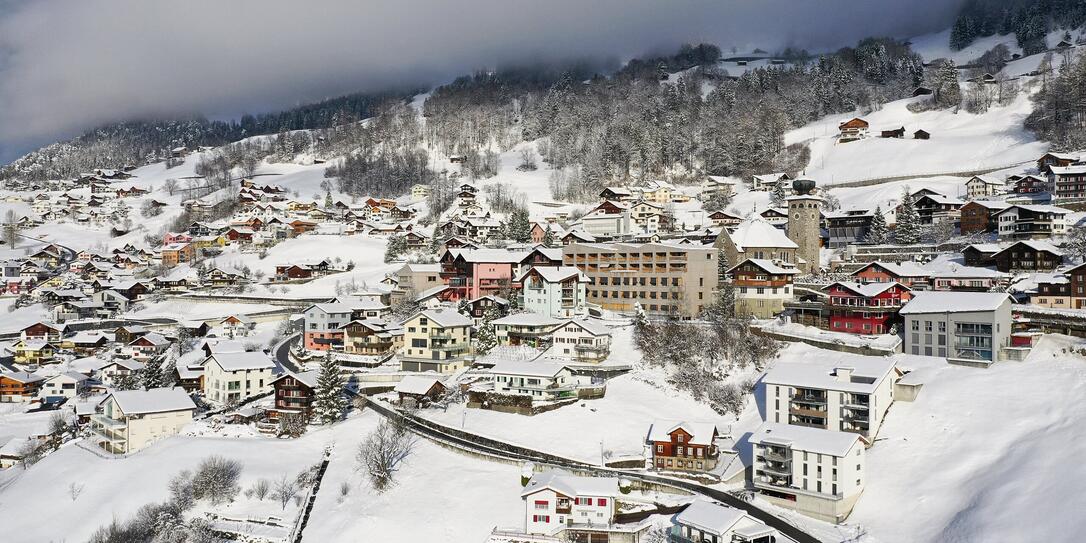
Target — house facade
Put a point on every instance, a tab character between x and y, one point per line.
436	340
130	420
865	308
762	286
683	445
554	291
964	327
818	473
230	378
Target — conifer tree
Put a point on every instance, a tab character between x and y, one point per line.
778	195
151	375
548	237
486	338
329	403
879	232
907	231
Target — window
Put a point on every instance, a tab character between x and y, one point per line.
601	502
541	504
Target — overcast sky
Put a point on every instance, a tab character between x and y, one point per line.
70	65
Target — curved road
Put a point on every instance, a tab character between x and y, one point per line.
478	444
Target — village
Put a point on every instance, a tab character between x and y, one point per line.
864	341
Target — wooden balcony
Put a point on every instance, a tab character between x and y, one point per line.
808	412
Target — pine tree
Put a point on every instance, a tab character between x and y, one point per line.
907	231
778	195
397	245
329	403
328	200
722	266
519	228
879	232
548	237
151	376
486	338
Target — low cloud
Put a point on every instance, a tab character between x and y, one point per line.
69	65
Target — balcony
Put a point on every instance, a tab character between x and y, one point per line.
775	456
107	436
776	468
106	422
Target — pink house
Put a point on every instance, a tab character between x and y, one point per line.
472	273
176	237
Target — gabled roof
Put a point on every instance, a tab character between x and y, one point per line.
897	269
308	378
555	274
571	485
417	384
988	180
769	266
866	290
445	317
22	377
756	232
591	326
719	519
701	433
242	361
1036	245
155	400
528	319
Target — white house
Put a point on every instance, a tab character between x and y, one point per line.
583	340
980	186
768	181
235	377
963	327
64	385
711	521
819	473
118	369
533	329
236	325
542	381
846	396
554	502
147	346
130	420
555	291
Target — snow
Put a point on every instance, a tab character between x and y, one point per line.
156	400
801	438
953	302
960	142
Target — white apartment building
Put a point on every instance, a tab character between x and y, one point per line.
819	473
542	381
130	420
555	291
963	327
238	376
850	396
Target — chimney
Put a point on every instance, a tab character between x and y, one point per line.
844	375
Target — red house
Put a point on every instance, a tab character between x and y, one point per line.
685	446
242	235
294	393
871	308
906	273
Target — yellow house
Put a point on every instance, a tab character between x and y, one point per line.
206	242
34	351
419	191
131	420
436	340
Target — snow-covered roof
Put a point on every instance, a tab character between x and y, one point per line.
416	384
701	433
69	375
308	378
801	438
528	319
900	269
155	400
852	374
756	232
1036	245
430	293
866	290
537	369
592	327
1068	170
991	204
769	266
954	302
22	377
556	274
968	272
571	485
126	363
719	519
447	317
490	255
242	361
988	180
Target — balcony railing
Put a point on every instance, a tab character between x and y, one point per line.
102	420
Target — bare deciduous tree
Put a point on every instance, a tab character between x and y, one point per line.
285	490
381	454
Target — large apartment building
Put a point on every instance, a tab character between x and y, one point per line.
819	473
963	327
663	278
848	396
436	340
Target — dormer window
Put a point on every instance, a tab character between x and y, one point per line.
680	438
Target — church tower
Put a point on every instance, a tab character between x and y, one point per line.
804	222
